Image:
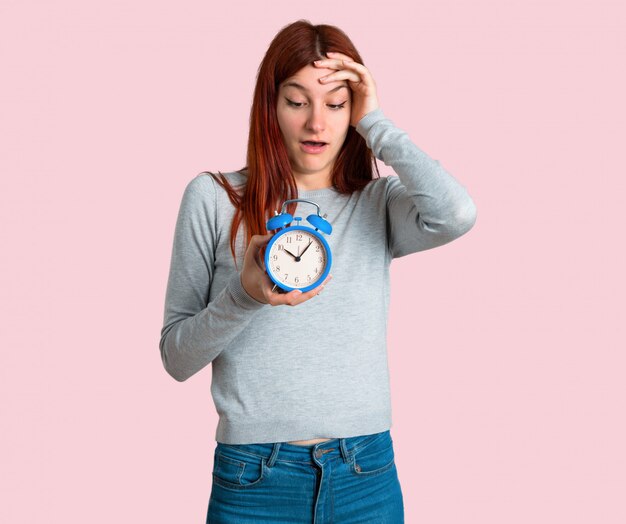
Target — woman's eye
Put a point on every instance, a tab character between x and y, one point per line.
334	107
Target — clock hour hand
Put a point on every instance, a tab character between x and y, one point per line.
287	251
297	259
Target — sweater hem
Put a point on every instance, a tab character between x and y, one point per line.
265	431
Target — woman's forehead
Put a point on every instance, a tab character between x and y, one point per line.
307	80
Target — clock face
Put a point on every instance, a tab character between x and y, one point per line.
297	258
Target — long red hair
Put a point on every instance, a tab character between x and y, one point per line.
270	180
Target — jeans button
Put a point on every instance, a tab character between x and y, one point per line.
318	453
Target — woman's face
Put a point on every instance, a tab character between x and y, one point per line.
310	111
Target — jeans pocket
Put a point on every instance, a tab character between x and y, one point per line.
237	470
373	457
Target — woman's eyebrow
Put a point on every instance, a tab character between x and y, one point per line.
295	84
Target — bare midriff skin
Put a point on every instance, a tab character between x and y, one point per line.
308	442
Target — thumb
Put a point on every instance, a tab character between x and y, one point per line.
256	242
261	238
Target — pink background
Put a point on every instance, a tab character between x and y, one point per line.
506	346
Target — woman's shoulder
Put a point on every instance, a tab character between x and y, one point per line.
235	178
376	187
209	181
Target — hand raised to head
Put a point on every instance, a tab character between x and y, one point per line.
360	80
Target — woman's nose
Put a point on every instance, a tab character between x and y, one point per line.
316	121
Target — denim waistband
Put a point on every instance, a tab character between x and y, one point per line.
283	451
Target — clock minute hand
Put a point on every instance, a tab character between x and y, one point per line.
300	254
307	247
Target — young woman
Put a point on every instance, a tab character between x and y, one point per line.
302	392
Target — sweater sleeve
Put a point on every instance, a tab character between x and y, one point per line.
426	206
194	331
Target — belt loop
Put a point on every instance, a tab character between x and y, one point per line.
344	451
274	454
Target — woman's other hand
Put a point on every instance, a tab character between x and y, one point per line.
360	80
258	284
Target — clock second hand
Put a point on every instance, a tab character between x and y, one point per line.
297	257
300	254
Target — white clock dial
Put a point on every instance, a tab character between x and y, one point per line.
297	259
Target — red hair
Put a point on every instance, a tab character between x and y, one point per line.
270	180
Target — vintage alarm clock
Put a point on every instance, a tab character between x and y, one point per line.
298	257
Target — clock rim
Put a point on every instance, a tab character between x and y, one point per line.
315	233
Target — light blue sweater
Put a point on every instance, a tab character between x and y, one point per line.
318	369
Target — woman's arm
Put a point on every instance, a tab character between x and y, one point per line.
194	332
426	206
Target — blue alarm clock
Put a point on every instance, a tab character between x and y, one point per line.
298	257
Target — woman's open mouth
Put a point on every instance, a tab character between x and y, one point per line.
313	147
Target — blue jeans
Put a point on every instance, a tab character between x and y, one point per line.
342	481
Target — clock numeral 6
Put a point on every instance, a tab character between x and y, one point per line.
296	280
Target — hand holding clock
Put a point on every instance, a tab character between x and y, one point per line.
258	285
